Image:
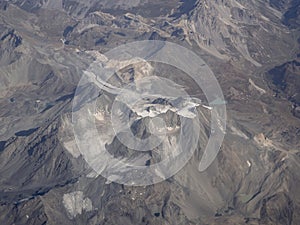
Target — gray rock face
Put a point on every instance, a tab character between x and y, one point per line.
251	47
285	79
277	203
237	27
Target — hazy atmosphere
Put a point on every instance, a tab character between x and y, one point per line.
139	112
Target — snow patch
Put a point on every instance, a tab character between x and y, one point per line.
249	163
75	203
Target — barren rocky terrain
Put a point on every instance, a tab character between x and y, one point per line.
253	49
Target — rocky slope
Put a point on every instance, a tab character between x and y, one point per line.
251	47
